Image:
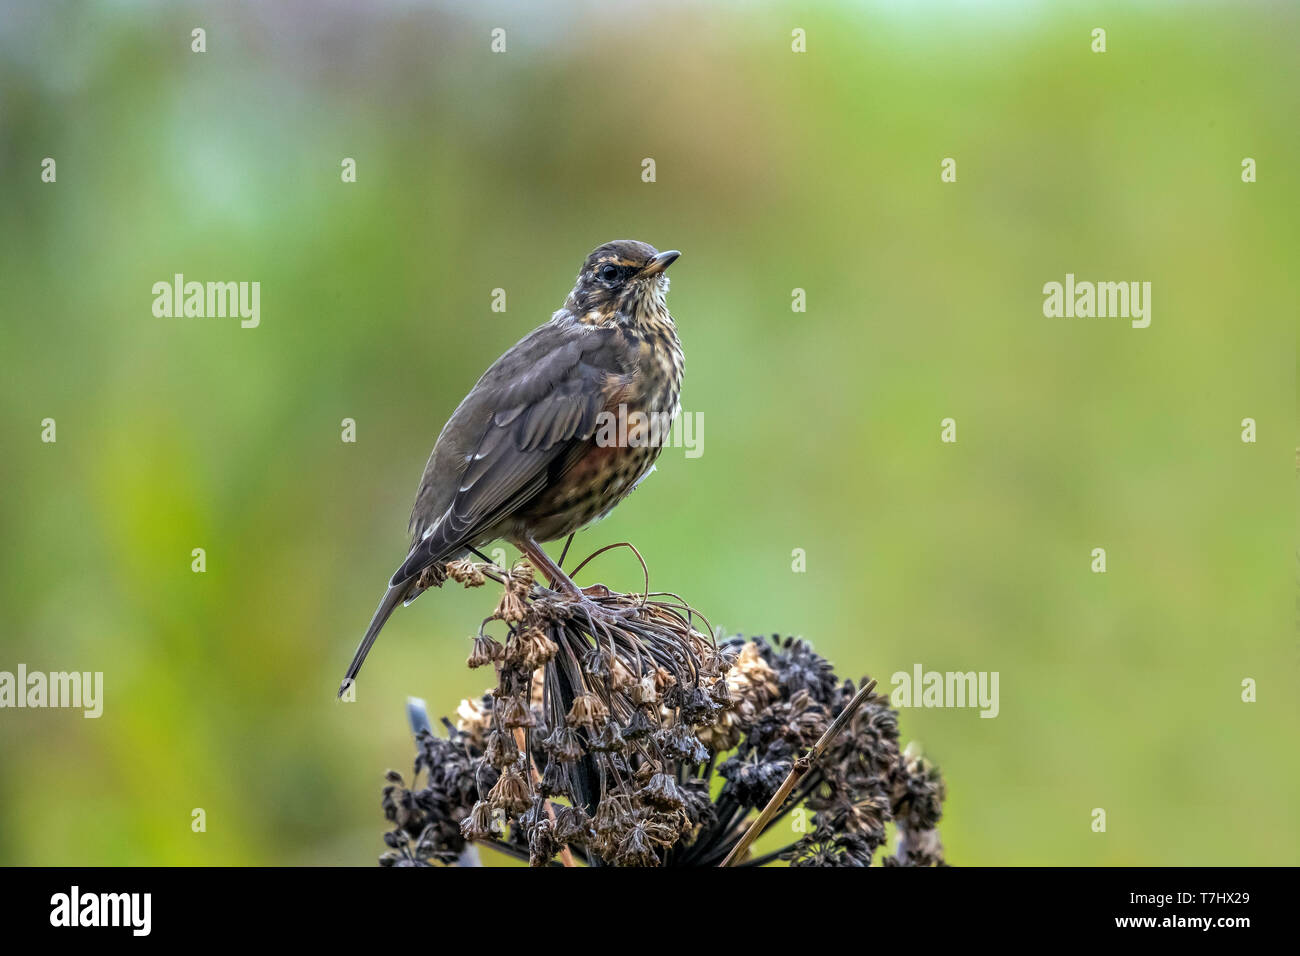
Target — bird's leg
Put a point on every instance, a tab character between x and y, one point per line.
563	583
542	562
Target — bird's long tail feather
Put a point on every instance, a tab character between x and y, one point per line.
392	598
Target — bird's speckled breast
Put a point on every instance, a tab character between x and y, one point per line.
609	469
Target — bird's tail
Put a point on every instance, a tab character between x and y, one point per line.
392	597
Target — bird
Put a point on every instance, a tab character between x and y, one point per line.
555	433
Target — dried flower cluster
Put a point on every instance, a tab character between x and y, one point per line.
626	737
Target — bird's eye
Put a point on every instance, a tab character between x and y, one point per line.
608	273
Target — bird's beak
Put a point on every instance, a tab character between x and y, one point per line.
660	262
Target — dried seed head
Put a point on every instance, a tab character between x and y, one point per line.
639	725
516	713
662	792
723	734
466	572
644	691
621	678
484	651
635	849
563	744
512	792
678	743
555	779
502	751
514	596
751	678
529	648
572	825
612	818
610	739
478	825
587	711
542	844
431	577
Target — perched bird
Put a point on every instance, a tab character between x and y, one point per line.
555	433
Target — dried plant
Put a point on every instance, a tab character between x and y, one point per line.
620	734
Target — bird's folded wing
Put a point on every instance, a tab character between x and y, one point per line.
533	424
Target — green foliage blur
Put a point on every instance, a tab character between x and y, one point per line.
775	170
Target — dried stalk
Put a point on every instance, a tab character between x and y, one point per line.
801	767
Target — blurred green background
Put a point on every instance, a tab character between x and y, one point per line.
775	170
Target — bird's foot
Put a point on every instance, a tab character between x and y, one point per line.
593	601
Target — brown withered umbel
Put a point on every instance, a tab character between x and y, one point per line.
626	736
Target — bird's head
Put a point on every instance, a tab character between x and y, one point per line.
621	280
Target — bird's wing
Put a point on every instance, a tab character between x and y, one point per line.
524	423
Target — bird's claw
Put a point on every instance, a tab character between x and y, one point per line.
582	603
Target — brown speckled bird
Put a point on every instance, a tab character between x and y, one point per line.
528	456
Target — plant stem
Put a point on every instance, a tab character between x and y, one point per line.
801	767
